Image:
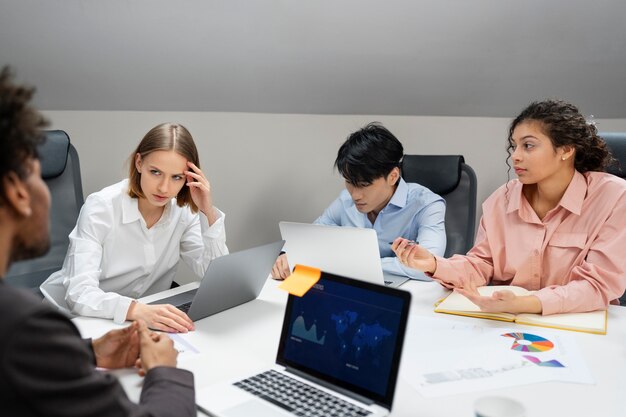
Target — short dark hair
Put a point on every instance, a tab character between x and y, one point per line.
566	126
20	128
368	154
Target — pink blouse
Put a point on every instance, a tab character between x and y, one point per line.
575	257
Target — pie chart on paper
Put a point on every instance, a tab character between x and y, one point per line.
527	342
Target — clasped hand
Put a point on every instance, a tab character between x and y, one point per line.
134	345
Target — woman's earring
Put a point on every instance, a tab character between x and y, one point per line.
563	158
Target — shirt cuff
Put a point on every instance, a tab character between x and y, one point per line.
212	231
550	301
121	309
399	269
176	375
442	269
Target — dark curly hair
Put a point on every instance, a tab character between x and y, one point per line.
20	128
565	126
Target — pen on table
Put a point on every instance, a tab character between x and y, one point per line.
411	242
204	411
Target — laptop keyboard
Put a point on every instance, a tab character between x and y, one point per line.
184	307
298	398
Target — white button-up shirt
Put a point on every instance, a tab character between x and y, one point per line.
114	258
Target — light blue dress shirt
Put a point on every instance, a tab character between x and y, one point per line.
414	212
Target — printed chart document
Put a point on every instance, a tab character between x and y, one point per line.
485	358
592	322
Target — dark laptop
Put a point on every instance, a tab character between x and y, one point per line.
338	355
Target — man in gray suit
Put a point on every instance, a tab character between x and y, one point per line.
46	368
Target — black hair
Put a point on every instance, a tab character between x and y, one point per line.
566	126
368	154
20	128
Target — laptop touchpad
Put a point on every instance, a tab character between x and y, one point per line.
256	408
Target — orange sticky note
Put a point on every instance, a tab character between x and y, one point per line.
301	280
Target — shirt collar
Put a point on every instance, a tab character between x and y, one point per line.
130	210
572	199
399	197
515	196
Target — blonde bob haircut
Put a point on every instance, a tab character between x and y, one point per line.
164	137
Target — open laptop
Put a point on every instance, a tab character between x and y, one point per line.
348	251
230	280
339	354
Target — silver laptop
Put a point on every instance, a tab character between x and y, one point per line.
349	251
230	280
338	355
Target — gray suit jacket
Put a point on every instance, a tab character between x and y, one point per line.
46	369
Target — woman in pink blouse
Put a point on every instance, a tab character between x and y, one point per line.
559	229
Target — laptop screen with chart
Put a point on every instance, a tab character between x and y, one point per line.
339	348
354	329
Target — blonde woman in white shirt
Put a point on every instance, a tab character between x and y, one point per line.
130	236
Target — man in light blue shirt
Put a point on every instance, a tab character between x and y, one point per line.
376	197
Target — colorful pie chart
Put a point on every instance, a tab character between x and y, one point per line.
526	342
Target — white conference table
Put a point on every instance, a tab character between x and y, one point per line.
245	338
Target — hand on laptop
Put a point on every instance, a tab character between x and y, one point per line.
156	349
163	317
118	348
281	269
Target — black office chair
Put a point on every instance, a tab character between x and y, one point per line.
454	180
616	142
60	169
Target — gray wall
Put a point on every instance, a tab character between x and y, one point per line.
479	58
265	168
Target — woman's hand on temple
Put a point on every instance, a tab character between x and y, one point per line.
200	189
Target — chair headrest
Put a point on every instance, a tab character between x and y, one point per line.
420	169
616	142
53	153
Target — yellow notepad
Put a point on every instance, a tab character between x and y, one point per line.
591	322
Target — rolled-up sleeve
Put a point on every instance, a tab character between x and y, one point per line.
600	277
477	265
82	266
201	242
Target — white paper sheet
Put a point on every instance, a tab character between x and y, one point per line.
182	345
452	357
